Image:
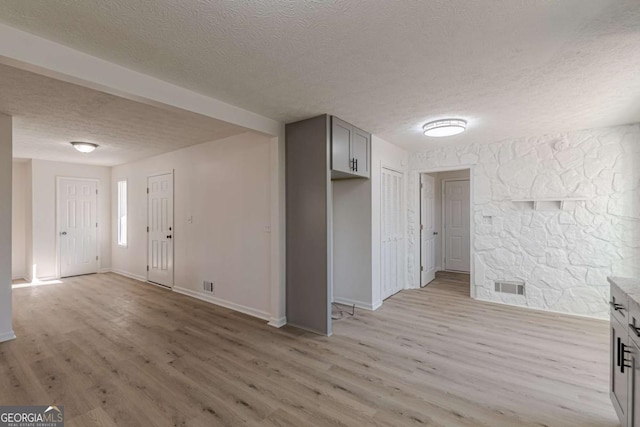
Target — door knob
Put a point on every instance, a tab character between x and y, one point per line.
64	233
168	237
435	233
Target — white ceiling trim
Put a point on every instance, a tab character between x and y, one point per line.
28	52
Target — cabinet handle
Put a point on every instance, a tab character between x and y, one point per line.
618	352
634	329
356	160
616	306
352	163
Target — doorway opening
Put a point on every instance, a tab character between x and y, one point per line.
445	225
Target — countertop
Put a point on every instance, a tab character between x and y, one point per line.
627	285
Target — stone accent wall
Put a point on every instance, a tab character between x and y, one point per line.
563	255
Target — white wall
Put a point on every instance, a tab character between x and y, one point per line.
439	177
225	186
383	154
44	228
563	256
6	329
19	220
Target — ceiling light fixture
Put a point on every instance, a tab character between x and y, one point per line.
84	147
447	127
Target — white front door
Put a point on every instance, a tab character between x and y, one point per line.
392	200
456	226
160	229
78	226
427	229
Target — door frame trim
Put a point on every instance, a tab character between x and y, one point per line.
444	230
403	210
414	200
173	246
57	220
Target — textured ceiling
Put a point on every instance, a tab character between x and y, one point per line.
511	67
48	114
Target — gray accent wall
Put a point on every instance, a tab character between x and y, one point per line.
308	201
352	257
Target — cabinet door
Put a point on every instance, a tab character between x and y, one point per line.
341	135
634	385
618	370
360	150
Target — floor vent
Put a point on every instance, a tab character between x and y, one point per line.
516	288
207	286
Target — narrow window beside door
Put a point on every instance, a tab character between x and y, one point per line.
122	213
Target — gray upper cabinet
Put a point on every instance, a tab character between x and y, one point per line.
350	150
341	135
360	151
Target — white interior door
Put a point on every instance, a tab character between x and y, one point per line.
392	261
78	226
160	229
427	229
456	226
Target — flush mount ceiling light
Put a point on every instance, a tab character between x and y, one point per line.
447	127
84	147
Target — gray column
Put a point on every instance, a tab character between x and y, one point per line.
6	159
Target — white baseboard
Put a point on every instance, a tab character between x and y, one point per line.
545	310
19	276
7	336
104	270
277	323
224	303
359	304
127	274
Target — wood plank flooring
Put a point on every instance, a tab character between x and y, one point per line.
116	352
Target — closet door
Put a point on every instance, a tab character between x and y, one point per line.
392	253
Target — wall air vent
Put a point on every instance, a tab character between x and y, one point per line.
208	287
516	288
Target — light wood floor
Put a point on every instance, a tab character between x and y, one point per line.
114	351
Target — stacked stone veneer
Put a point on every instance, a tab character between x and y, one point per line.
563	255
